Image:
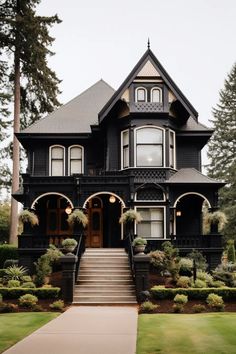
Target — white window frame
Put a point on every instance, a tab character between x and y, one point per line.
122	149
174	148
164	220
163	146
160	91
82	157
50	159
136	94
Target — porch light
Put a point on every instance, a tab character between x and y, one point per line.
178	213
68	210
112	199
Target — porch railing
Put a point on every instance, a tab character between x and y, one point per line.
129	249
197	241
42	241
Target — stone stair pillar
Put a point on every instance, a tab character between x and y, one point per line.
68	263
141	269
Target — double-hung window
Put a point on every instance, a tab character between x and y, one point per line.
152	224
149	147
172	149
125	149
75	159
57	160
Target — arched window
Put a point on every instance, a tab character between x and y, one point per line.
156	95
57	160
75	157
149	147
141	94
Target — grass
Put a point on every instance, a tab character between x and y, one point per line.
16	326
211	333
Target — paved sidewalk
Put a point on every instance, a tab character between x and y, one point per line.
84	330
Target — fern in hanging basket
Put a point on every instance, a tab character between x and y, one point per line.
130	216
28	216
218	217
77	216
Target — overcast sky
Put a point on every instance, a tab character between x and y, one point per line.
193	39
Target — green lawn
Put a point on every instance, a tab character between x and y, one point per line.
212	333
15	326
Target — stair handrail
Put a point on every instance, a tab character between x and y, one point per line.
79	251
129	249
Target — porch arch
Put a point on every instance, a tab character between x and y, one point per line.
99	193
51	193
190	193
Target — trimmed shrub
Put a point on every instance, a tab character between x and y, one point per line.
217	284
181	299
28	301
158	260
226	277
26	278
158	293
7	252
198	308
199	284
215	302
37	308
57	305
13	283
7	307
204	276
41	293
28	284
178	308
183	282
43	270
200	260
148	307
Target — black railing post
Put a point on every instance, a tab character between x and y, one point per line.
141	270
68	263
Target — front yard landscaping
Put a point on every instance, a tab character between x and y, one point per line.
16	326
211	333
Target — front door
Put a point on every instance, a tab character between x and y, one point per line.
94	236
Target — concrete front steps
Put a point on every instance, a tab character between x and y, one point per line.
104	278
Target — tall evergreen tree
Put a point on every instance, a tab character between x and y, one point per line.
25	36
222	150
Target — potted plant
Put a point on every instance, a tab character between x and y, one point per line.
139	244
28	217
77	217
69	244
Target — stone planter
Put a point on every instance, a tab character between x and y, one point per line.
139	248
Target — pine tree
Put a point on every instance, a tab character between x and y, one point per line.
24	38
222	151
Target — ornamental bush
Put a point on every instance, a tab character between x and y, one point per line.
7	252
57	305
183	282
15	272
148	307
28	300
181	299
199	284
41	293
28	284
199	308
13	283
204	276
178	308
215	302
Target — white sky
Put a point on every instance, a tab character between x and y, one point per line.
193	39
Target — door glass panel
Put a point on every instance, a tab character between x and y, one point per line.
52	220
64	223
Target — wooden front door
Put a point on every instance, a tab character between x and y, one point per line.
95	228
57	217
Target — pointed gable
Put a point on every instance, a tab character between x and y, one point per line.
149	66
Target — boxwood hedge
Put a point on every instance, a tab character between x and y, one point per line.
159	293
41	293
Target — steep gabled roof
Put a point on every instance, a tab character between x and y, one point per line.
77	115
191	175
148	56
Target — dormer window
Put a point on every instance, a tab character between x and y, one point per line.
141	94
57	160
156	95
75	158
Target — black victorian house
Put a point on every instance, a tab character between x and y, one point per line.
105	151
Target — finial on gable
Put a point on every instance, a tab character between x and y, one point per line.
148	43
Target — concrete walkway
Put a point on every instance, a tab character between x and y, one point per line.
84	330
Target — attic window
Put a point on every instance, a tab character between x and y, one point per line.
141	94
156	95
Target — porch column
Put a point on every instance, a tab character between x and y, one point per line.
141	270
68	263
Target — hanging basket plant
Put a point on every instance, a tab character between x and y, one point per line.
130	216
77	217
27	216
217	218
